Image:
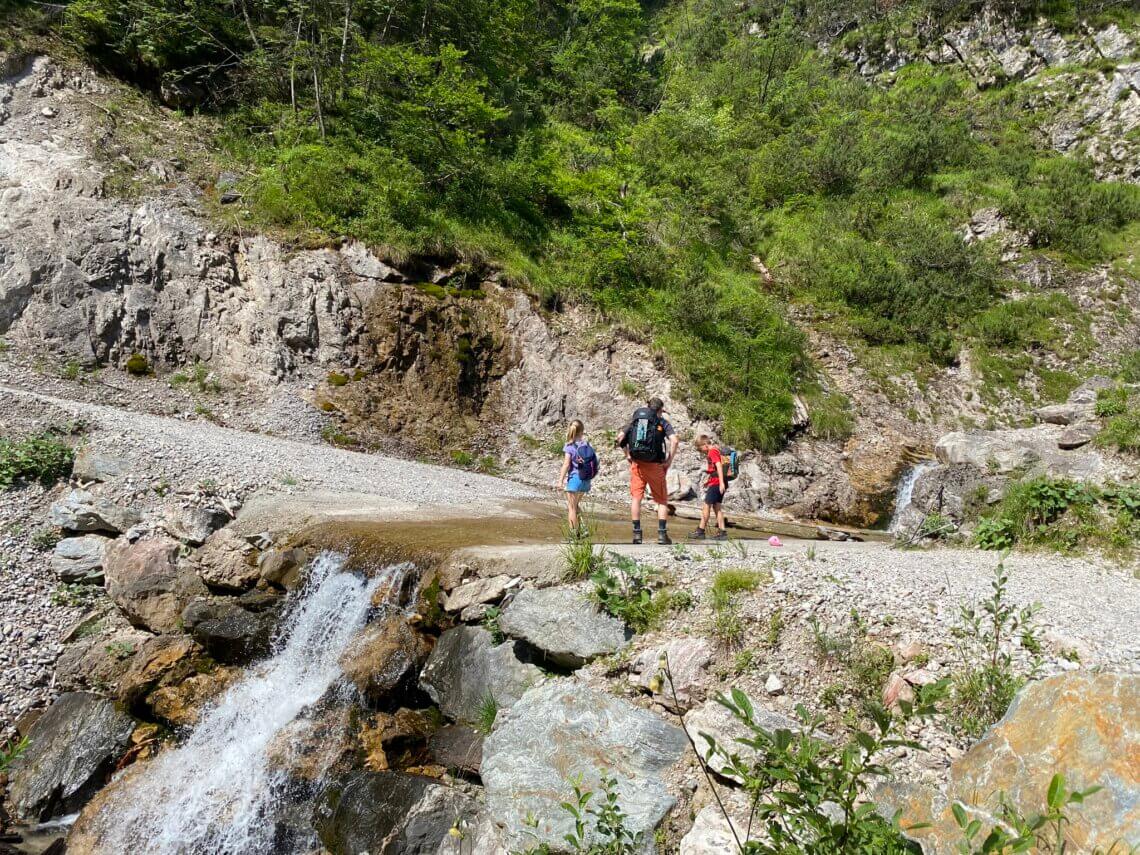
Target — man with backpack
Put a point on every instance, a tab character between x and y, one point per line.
650	443
721	468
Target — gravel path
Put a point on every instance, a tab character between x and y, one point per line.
182	451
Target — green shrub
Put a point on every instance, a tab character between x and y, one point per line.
996	533
488	713
987	680
1111	402
1122	431
137	365
337	379
42	458
622	588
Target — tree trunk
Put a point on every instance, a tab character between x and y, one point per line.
293	68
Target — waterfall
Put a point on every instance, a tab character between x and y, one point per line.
218	791
905	491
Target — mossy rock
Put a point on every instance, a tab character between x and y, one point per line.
137	365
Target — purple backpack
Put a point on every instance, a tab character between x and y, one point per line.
585	461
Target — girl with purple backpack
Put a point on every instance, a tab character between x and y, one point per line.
579	466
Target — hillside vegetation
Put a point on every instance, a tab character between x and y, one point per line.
691	168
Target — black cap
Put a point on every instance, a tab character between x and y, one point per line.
656	404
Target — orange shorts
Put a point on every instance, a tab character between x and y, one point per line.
652	475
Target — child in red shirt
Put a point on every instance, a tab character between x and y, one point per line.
715	485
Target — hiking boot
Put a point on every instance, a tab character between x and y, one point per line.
637	535
721	535
663	538
699	534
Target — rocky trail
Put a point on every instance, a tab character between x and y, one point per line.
177	450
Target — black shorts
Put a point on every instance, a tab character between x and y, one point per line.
714	496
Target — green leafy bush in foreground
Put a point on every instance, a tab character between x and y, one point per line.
41	458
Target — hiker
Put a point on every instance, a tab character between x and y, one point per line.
650	443
579	466
716	482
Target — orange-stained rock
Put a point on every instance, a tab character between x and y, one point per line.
179	705
1083	725
382	654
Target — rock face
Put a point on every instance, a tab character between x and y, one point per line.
383	654
562	729
82	511
465	669
1083	725
389	813
99	661
72	748
80	559
476	592
563	624
712	835
146	583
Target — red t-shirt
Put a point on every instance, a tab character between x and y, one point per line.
715	457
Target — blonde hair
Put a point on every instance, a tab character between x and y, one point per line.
575	430
704	439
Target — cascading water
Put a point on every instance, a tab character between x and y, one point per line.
218	791
906	491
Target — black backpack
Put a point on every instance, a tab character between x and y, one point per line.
646	436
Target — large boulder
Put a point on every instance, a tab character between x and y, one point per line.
145	581
227	562
563	729
162	660
711	833
80	559
390	813
477	592
180	704
282	567
230	633
457	748
563	624
72	749
83	511
93	463
383	654
466	668
1083	725
99	659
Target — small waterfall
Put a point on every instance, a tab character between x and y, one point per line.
218	791
906	490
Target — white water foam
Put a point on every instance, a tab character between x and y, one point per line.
906	491
217	792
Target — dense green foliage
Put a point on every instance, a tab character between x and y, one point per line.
690	168
1063	515
35	458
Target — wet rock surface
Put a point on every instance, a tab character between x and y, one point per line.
71	750
389	813
383	655
228	632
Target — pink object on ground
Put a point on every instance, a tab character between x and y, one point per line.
774	541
